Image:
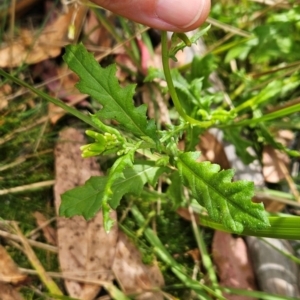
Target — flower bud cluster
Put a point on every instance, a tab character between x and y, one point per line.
106	143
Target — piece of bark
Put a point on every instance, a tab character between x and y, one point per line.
85	249
276	274
133	276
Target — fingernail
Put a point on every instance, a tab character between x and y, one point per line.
179	13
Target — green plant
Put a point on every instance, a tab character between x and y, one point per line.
226	202
143	153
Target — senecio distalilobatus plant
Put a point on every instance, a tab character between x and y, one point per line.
228	204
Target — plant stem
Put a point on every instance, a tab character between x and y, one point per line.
265	118
172	91
55	101
206	260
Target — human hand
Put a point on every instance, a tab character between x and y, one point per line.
169	15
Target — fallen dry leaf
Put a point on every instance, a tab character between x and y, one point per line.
49	232
274	163
124	63
195	255
233	264
60	81
185	214
8	292
285	137
33	47
85	249
63	87
213	150
133	276
269	204
9	271
97	38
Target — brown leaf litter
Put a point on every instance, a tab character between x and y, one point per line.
31	47
9	271
9	274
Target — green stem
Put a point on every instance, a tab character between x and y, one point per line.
172	91
206	260
265	118
55	101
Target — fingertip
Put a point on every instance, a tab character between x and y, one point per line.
183	17
169	15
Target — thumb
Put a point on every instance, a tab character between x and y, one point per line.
170	15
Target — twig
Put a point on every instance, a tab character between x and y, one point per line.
24	128
45	278
289	179
32	186
228	28
264	194
109	286
207	262
40	245
22	159
46	223
67	277
38	292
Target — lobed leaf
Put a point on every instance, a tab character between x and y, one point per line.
87	200
102	84
227	202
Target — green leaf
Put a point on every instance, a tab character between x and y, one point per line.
134	180
103	85
116	172
182	84
226	202
240	51
87	200
154	73
192	137
202	67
